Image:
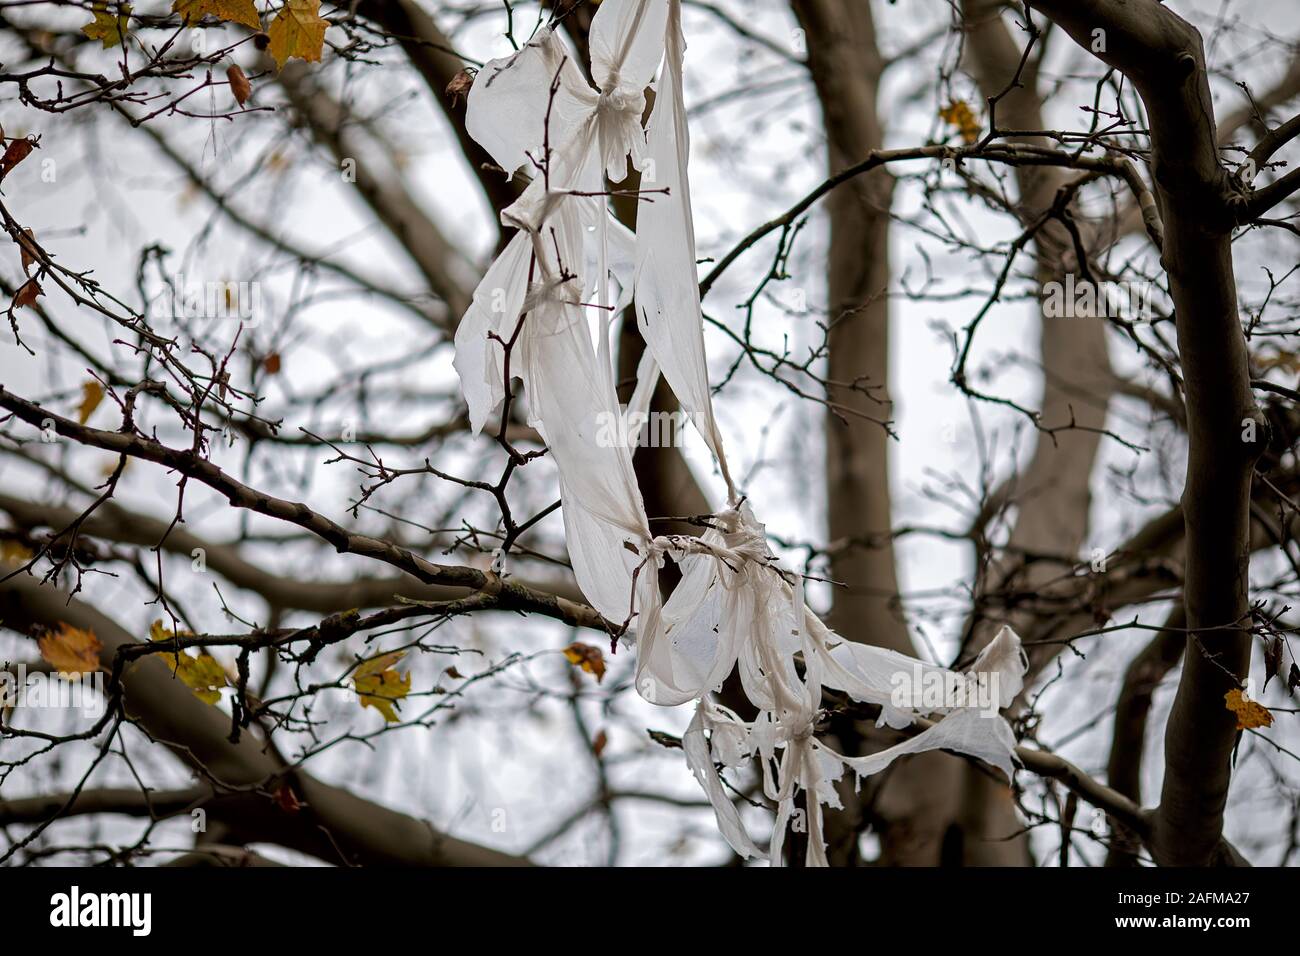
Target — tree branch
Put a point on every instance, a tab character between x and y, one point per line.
511	596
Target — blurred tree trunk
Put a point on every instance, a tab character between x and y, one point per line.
913	805
1054	493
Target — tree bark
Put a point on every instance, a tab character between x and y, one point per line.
1163	56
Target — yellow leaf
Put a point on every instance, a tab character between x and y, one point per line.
1249	713
379	686
203	674
588	658
108	28
233	11
70	650
377	665
958	113
92	393
15	552
297	30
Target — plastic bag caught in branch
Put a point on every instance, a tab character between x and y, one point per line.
533	109
626	45
571	400
667	287
734	608
510	110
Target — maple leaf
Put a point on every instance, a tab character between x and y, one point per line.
203	674
240	88
1249	713
379	686
27	293
109	28
70	650
958	113
588	658
297	31
92	393
232	11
